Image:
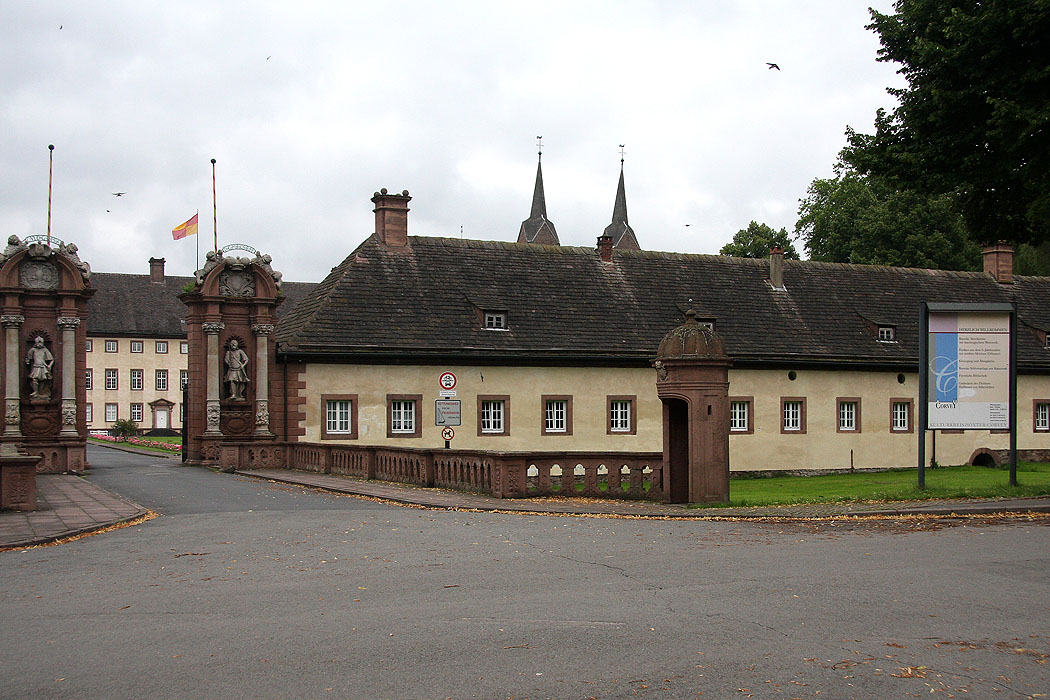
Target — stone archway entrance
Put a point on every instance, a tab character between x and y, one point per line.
676	449
693	383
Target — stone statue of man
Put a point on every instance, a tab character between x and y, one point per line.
236	361
40	361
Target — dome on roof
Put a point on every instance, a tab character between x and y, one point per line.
692	340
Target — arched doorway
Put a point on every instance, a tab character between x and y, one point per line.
676	427
692	380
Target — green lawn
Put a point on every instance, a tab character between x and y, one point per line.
1033	479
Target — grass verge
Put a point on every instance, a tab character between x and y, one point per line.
966	481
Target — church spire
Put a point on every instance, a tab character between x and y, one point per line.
619	230
537	228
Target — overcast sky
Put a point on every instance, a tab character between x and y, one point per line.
310	107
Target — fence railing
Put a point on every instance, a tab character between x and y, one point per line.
501	474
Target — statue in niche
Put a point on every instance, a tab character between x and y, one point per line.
236	361
40	361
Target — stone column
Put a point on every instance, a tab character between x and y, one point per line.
262	333
213	377
69	324
12	365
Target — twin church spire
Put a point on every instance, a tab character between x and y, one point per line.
540	230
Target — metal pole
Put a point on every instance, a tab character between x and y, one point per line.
50	172
214	209
924	388
1013	396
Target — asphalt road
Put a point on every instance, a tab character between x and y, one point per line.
246	589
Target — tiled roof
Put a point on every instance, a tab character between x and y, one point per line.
564	303
131	305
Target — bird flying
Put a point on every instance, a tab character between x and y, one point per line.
772	66
119	194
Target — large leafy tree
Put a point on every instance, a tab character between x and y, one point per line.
862	219
974	120
757	239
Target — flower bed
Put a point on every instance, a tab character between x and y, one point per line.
141	442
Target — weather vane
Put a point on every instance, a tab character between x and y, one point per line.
621	153
539	146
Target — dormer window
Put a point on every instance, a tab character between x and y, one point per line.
887	334
709	325
496	320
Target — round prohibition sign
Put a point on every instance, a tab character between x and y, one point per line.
447	433
447	380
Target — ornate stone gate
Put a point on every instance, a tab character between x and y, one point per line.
231	314
44	289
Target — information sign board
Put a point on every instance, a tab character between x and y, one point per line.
968	366
448	412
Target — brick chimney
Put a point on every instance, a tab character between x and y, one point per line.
156	270
776	268
605	248
391	218
999	262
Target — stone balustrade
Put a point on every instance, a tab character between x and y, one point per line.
500	474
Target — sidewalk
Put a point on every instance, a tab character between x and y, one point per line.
66	505
441	498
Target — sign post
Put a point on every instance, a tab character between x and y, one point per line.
967	372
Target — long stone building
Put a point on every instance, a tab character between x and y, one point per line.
551	347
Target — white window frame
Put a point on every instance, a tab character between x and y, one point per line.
556	415
496	320
137	346
111	415
493	413
887	334
160	380
184	347
1042	417
112	346
87	379
402	416
88	345
111	374
136	379
161	348
136	408
339	417
738	417
88	413
184	378
847	416
901	417
620	415
792	416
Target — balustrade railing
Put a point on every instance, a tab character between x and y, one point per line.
501	474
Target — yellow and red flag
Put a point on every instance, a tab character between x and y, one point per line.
187	228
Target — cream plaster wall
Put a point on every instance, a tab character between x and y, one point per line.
820	447
589	388
149	360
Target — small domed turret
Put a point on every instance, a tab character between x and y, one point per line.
692	341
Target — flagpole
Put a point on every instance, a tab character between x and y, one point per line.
50	173
214	209
198	258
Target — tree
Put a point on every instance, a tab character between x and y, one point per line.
756	240
974	120
854	218
124	428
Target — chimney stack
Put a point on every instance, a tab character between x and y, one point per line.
605	248
776	268
391	218
156	270
999	262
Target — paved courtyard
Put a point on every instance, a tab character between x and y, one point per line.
249	589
